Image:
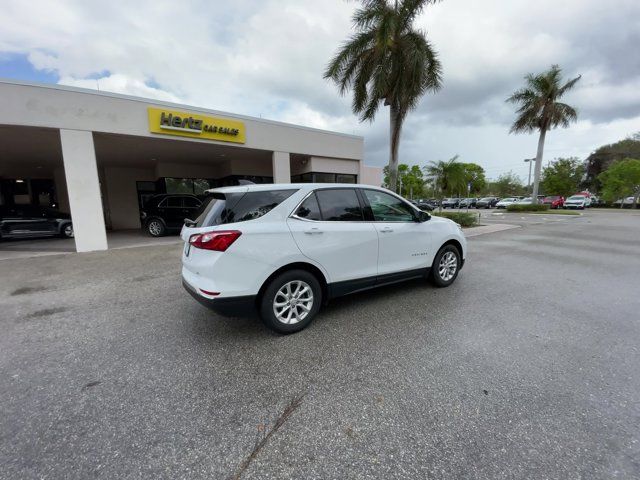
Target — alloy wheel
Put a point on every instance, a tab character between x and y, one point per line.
155	228
448	266
68	231
293	302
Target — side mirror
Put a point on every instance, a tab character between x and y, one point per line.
423	216
189	223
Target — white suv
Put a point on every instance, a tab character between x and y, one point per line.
284	250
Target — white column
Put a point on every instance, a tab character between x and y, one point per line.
281	167
83	188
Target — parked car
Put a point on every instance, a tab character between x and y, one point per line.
575	201
487	202
166	213
596	201
468	202
505	202
424	205
527	201
450	203
29	221
284	250
554	201
628	202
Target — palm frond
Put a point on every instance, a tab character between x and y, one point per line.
537	103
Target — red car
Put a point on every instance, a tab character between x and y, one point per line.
554	201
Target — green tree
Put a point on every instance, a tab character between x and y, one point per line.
410	178
386	61
562	177
603	157
448	176
621	180
474	175
539	109
507	184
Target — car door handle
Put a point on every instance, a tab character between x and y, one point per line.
313	231
387	230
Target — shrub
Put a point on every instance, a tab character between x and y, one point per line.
463	218
527	208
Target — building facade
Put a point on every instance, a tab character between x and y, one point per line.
99	155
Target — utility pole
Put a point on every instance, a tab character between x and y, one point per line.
530	160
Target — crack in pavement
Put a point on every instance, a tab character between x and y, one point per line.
293	405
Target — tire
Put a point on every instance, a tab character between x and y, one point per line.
440	274
276	292
66	231
155	227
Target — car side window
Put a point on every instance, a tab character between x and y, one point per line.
173	202
309	209
339	205
190	202
387	208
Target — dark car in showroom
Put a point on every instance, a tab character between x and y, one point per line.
487	202
32	221
165	213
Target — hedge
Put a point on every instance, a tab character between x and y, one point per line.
463	218
520	207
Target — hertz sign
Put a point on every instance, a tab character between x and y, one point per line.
169	122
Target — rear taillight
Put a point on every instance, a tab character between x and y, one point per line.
218	240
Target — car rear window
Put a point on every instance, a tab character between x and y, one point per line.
220	209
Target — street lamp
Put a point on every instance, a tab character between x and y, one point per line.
530	160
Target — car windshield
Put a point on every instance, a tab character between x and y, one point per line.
576	197
485	199
552	198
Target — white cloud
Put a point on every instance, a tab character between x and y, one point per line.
266	57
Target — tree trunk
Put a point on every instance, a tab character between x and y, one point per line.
536	176
395	125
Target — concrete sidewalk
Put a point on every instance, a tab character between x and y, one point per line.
40	247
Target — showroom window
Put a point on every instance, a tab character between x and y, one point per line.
194	186
323	177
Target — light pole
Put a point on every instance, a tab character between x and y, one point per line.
530	160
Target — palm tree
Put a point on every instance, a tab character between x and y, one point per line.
540	110
387	60
448	176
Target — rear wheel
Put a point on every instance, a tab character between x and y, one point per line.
155	227
291	301
446	266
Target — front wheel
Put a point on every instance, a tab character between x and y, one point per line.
446	266
291	301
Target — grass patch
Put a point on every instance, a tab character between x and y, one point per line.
522	208
465	219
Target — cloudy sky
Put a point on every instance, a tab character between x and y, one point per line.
266	58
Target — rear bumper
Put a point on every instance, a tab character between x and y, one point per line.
244	306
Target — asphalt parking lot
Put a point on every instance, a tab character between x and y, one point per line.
527	367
